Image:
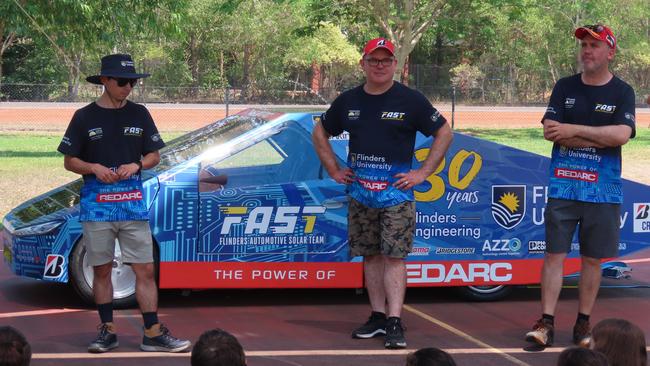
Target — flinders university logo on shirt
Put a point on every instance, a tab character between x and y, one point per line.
508	205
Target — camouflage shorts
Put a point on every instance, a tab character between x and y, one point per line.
388	231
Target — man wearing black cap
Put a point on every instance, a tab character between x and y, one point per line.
382	117
589	117
109	142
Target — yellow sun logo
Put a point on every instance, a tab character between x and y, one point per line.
510	201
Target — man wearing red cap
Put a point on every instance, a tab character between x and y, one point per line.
589	117
382	117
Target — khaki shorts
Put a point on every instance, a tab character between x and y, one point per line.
388	231
134	237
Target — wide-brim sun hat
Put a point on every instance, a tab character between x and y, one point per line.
118	66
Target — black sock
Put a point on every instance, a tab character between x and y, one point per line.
105	312
150	319
378	314
582	317
548	318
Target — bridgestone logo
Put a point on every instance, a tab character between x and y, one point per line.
576	174
454	250
135	195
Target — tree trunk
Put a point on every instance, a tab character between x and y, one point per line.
194	65
438	64
246	72
315	77
405	72
73	78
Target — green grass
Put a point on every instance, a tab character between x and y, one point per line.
532	139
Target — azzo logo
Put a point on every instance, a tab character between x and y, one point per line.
53	266
605	108
642	217
395	116
508	205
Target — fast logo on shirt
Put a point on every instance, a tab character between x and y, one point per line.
95	133
582	175
604	108
134	195
374	186
133	131
393	116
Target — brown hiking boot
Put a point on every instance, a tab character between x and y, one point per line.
541	334
582	333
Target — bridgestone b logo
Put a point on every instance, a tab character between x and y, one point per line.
135	195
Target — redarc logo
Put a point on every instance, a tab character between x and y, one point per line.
135	195
374	186
458	272
577	175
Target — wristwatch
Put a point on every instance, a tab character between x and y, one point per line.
139	162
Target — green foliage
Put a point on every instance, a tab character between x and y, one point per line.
521	46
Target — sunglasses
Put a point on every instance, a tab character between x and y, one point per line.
385	62
123	81
595	27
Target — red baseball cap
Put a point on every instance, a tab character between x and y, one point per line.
598	31
376	43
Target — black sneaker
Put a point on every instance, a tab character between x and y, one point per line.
375	326
104	342
165	342
582	333
394	334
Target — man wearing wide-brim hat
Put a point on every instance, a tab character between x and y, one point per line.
109	142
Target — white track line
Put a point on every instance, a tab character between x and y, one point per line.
288	353
40	312
488	348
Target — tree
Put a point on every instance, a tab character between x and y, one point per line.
326	48
80	28
403	21
10	27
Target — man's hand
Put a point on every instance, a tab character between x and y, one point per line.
343	176
409	180
125	171
555	131
104	174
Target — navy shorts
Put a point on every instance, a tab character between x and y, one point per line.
598	227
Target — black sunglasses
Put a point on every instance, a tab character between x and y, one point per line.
595	27
123	81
